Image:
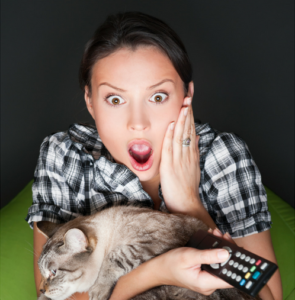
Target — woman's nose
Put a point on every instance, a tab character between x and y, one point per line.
138	119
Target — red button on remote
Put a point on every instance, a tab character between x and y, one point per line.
258	262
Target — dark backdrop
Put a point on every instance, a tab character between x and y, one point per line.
242	55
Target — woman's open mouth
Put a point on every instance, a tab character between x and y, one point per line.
141	156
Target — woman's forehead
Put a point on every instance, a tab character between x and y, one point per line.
145	66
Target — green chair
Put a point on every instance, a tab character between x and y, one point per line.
16	246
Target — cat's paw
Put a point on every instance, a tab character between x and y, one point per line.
100	293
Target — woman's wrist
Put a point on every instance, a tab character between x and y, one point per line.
139	280
195	208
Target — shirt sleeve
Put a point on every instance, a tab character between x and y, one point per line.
233	184
53	199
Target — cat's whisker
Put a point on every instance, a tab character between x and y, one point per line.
32	252
31	247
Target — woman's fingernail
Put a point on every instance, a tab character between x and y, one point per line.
172	125
185	111
228	235
188	101
222	254
218	231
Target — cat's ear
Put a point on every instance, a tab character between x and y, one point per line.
75	240
48	229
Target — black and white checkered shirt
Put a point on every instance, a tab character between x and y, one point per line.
76	175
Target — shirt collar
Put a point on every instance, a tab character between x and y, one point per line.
118	177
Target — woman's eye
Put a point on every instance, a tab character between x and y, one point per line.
159	98
114	100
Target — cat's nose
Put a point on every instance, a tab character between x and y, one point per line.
42	291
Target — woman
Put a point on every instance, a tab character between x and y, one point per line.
142	151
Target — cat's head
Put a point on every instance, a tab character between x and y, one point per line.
64	260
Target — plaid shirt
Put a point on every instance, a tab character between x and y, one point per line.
76	175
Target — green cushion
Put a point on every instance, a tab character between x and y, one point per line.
16	247
283	238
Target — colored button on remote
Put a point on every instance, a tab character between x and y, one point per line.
253	269
242	282
258	262
256	275
247	275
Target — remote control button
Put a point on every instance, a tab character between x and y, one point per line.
224	271
264	266
236	265
252	261
238	278
228	273
256	275
245	269
215	244
231	262
253	269
249	284
227	248
234	275
247	258
248	275
240	267
242	282
214	266
238	254
258	262
242	256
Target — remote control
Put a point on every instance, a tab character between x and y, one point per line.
244	270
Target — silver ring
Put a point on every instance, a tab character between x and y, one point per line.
186	142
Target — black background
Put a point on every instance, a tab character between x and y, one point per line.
242	56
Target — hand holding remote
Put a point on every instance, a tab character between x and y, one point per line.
243	269
182	267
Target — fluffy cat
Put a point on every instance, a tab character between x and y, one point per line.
90	253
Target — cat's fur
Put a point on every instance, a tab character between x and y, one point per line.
90	253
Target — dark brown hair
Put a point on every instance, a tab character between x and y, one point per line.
133	29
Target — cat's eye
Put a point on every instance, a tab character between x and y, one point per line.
53	272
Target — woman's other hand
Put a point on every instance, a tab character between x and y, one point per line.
179	168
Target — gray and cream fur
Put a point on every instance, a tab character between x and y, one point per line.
91	253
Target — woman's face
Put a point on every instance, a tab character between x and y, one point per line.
135	95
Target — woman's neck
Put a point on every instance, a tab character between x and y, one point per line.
152	188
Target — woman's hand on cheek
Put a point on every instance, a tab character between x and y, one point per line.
179	168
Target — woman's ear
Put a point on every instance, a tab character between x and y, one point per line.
88	101
190	92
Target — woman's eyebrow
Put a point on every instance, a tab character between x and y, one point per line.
148	88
